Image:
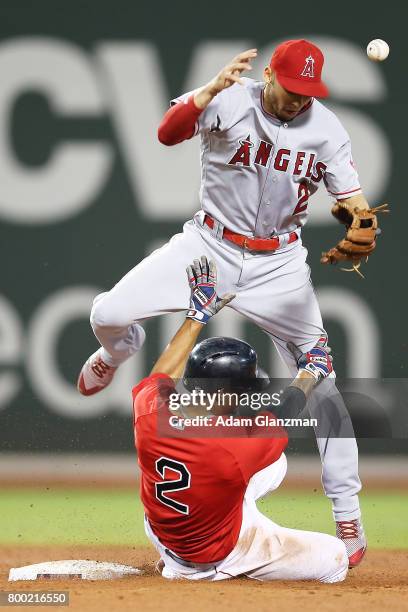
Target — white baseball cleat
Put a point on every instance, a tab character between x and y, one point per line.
95	375
353	536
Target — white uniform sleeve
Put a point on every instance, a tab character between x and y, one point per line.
341	176
215	117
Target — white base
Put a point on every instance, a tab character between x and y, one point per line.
81	569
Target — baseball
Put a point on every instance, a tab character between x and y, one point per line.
378	50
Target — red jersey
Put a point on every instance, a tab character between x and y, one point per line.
192	489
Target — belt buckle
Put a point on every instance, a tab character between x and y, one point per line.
245	243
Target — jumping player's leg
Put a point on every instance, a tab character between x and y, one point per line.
156	286
280	299
336	443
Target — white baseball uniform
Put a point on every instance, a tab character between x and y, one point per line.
257	175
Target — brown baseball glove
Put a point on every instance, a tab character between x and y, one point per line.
361	235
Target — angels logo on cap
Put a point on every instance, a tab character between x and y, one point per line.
308	70
298	67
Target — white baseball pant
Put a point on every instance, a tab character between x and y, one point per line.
272	289
265	550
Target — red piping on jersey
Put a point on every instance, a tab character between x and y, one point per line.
179	122
304	109
345	192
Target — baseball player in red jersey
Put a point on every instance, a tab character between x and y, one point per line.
199	493
265	148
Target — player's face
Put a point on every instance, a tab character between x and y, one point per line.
279	101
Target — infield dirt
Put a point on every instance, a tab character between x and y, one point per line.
380	582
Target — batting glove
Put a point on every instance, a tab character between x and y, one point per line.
204	301
317	361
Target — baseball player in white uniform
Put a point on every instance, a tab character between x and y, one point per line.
265	148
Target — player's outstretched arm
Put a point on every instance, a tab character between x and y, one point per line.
174	357
361	232
178	124
204	303
313	367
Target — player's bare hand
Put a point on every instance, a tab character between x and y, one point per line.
230	74
204	301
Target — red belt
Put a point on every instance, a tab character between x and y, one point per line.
252	244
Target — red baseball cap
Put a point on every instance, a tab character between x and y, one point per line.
298	66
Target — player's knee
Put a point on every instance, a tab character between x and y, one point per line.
99	312
337	562
105	313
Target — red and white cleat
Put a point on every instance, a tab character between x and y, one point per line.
95	375
352	534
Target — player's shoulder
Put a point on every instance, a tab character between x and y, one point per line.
328	120
248	89
320	109
242	98
154	381
149	391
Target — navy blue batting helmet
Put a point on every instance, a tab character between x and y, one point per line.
226	363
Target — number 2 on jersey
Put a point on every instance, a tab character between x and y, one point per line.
303	199
179	484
